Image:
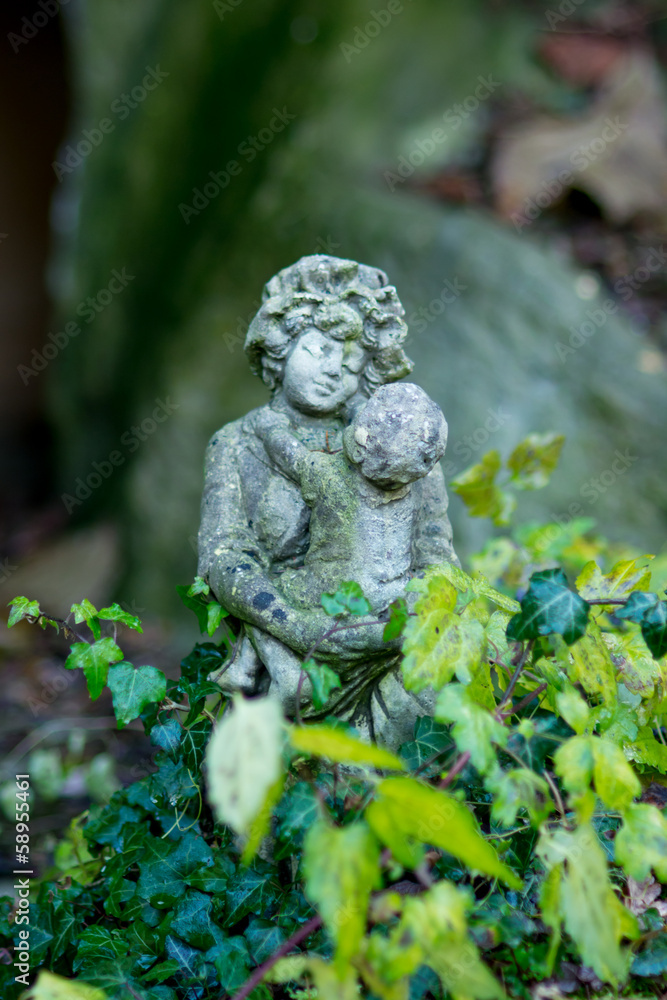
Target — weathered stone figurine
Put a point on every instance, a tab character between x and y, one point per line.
335	479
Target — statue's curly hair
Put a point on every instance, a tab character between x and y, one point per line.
339	297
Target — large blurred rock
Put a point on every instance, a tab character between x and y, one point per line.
489	357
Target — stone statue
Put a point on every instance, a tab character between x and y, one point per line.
335	479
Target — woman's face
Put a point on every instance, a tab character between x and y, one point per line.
321	373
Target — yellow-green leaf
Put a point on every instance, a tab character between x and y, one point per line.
641	843
517	789
341	867
383	819
435	590
433	817
439	646
475	729
259	826
339	746
436	923
583	759
572	707
534	459
51	987
615	781
623	578
592	665
586	901
480	493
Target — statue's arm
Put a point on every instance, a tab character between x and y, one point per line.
287	453
432	542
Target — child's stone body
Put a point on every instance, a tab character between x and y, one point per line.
363	510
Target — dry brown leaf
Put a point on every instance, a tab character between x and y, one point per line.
643	896
616	153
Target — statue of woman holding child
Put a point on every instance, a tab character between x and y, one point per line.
335	479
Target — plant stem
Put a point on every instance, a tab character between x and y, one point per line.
297	703
607	600
432	760
261	970
525	701
515	676
459	764
455	769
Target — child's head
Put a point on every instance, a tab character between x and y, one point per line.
398	436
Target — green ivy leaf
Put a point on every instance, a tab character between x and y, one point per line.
133	690
167	735
193	744
190	960
22	608
475	729
192	920
533	460
209	613
641	843
114	613
94	659
637	604
431	737
87	612
323	679
252	889
295	814
398	616
264	937
549	606
232	962
166	865
654	629
348	599
244	760
341	867
651	961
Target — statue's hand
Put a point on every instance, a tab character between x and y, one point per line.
354	636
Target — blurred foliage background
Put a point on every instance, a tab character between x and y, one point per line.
505	161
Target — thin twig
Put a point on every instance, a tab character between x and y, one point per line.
432	760
525	701
311	925
455	769
297	703
556	794
515	676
